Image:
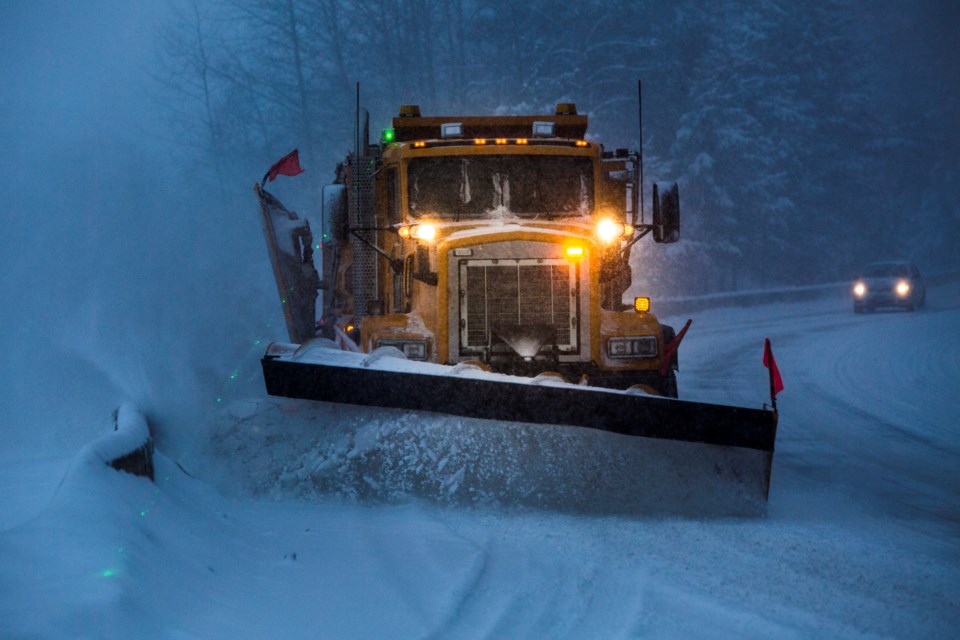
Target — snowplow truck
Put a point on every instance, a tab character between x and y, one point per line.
498	244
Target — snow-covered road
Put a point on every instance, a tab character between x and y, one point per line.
873	408
861	539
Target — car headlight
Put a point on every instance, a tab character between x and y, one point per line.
632	347
859	289
903	288
412	349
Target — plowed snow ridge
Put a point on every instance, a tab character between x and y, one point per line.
861	536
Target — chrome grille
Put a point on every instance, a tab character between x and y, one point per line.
517	292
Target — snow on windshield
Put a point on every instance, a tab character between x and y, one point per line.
526	186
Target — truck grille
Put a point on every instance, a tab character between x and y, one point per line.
517	292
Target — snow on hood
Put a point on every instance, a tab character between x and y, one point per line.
325	352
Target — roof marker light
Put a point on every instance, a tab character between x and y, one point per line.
544	129
451	130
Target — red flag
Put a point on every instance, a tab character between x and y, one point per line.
776	383
671	347
288	165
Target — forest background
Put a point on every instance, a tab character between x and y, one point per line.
808	138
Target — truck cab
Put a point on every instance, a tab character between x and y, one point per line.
502	241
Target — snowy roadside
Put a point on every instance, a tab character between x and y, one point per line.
860	539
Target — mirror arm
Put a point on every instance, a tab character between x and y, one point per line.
641	231
395	263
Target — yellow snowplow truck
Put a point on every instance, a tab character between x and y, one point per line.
490	256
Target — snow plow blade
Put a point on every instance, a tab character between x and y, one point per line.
354	378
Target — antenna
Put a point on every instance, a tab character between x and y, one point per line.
356	127
640	152
354	210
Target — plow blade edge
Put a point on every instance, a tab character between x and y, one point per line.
725	451
634	415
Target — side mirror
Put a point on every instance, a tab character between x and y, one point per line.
666	212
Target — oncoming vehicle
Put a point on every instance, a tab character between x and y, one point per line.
889	284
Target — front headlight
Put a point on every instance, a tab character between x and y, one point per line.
859	289
632	347
903	288
610	230
425	231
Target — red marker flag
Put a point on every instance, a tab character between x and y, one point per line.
776	382
288	165
671	347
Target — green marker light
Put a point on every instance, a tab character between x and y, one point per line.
388	136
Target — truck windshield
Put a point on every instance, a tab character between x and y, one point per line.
520	185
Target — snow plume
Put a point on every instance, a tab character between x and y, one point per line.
89	337
283	449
